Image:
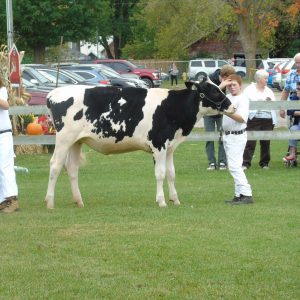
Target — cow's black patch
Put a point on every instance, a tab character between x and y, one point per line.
59	110
109	105
78	115
178	111
212	96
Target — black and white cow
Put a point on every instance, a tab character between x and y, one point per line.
113	120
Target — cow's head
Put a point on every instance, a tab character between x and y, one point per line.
211	96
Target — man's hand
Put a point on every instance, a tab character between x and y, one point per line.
225	83
282	113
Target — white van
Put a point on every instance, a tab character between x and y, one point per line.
199	68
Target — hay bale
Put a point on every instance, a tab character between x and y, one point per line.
31	149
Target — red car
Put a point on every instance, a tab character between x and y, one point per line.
150	76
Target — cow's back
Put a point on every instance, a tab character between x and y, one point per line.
103	117
114	120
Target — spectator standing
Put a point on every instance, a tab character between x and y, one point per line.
291	82
259	120
235	138
296	126
213	123
173	71
8	186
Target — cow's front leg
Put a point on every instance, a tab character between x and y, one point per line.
171	178
160	173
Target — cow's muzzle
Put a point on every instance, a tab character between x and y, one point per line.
230	110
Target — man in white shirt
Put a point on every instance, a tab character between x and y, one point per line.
235	139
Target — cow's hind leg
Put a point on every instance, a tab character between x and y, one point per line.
72	165
56	163
171	178
160	173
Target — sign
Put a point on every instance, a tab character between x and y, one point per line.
14	65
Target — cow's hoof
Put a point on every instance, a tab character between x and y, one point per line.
175	202
49	203
51	207
80	205
162	204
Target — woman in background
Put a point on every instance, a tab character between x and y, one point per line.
173	74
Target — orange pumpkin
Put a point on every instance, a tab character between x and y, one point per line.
34	129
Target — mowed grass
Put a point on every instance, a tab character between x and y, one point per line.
123	246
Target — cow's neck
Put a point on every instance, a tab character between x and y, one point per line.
206	111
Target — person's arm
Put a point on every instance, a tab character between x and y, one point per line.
284	97
4	104
236	117
224	84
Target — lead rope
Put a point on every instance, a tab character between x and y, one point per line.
218	105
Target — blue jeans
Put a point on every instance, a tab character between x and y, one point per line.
213	123
293	143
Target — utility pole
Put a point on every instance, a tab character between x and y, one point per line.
10	26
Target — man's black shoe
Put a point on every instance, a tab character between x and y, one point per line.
243	200
235	199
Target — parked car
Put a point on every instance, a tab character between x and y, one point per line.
164	76
200	68
286	70
29	73
269	65
94	72
65	76
276	79
38	93
150	76
89	74
38	97
30	86
130	78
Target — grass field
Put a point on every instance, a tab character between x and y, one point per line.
123	246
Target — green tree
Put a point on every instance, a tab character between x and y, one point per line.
41	23
287	36
258	22
117	21
167	27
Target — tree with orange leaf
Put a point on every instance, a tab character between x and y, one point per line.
256	21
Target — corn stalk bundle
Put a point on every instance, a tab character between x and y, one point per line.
15	96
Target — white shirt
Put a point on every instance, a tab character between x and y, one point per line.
241	102
253	94
4	115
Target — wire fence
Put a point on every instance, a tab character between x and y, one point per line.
278	134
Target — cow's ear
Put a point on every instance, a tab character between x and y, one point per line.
189	84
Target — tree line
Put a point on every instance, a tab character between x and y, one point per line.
154	29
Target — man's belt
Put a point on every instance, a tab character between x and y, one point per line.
234	132
6	130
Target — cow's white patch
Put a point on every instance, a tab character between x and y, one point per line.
118	126
122	101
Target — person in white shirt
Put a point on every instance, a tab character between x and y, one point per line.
8	186
235	138
259	119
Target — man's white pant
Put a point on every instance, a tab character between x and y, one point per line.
8	185
234	145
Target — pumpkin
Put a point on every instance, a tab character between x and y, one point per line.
34	129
